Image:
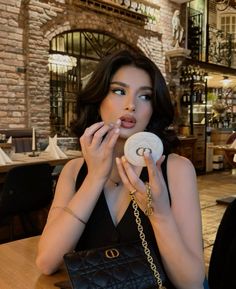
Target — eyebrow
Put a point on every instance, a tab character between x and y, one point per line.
125	85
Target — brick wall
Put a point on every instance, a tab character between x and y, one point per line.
26	28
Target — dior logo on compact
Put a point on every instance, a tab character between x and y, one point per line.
138	144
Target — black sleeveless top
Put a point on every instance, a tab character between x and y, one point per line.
100	230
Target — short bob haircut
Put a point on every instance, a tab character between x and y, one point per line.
97	88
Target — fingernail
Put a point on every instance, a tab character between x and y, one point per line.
146	153
118	121
117	130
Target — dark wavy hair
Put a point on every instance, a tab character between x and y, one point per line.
97	88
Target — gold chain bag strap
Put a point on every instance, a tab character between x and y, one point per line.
148	212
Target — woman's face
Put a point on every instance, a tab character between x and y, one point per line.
128	99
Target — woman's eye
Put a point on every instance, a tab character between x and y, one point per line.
145	97
118	91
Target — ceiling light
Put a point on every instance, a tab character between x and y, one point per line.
61	63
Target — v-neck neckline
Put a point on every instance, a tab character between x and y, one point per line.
109	213
143	176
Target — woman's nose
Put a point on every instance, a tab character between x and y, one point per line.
130	105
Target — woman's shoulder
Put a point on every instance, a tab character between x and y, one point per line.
73	166
179	163
181	177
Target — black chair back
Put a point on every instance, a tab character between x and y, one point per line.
26	188
223	258
21	138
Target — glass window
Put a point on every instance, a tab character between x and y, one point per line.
228	24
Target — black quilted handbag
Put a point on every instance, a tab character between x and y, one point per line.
122	266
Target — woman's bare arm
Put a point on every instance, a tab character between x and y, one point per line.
62	230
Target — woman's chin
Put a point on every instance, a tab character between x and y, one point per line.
126	133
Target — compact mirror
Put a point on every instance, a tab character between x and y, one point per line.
138	143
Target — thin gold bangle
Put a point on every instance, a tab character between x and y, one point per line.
56	207
69	211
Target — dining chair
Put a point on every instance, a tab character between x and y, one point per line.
229	155
26	189
21	139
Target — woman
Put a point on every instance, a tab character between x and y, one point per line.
125	95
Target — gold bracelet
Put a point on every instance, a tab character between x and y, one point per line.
56	207
69	211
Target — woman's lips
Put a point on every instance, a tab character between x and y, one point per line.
127	121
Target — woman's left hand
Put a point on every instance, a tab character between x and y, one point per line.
157	184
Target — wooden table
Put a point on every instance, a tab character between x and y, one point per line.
18	269
24	159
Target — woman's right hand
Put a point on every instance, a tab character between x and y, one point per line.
97	144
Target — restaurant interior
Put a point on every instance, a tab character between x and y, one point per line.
49	50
